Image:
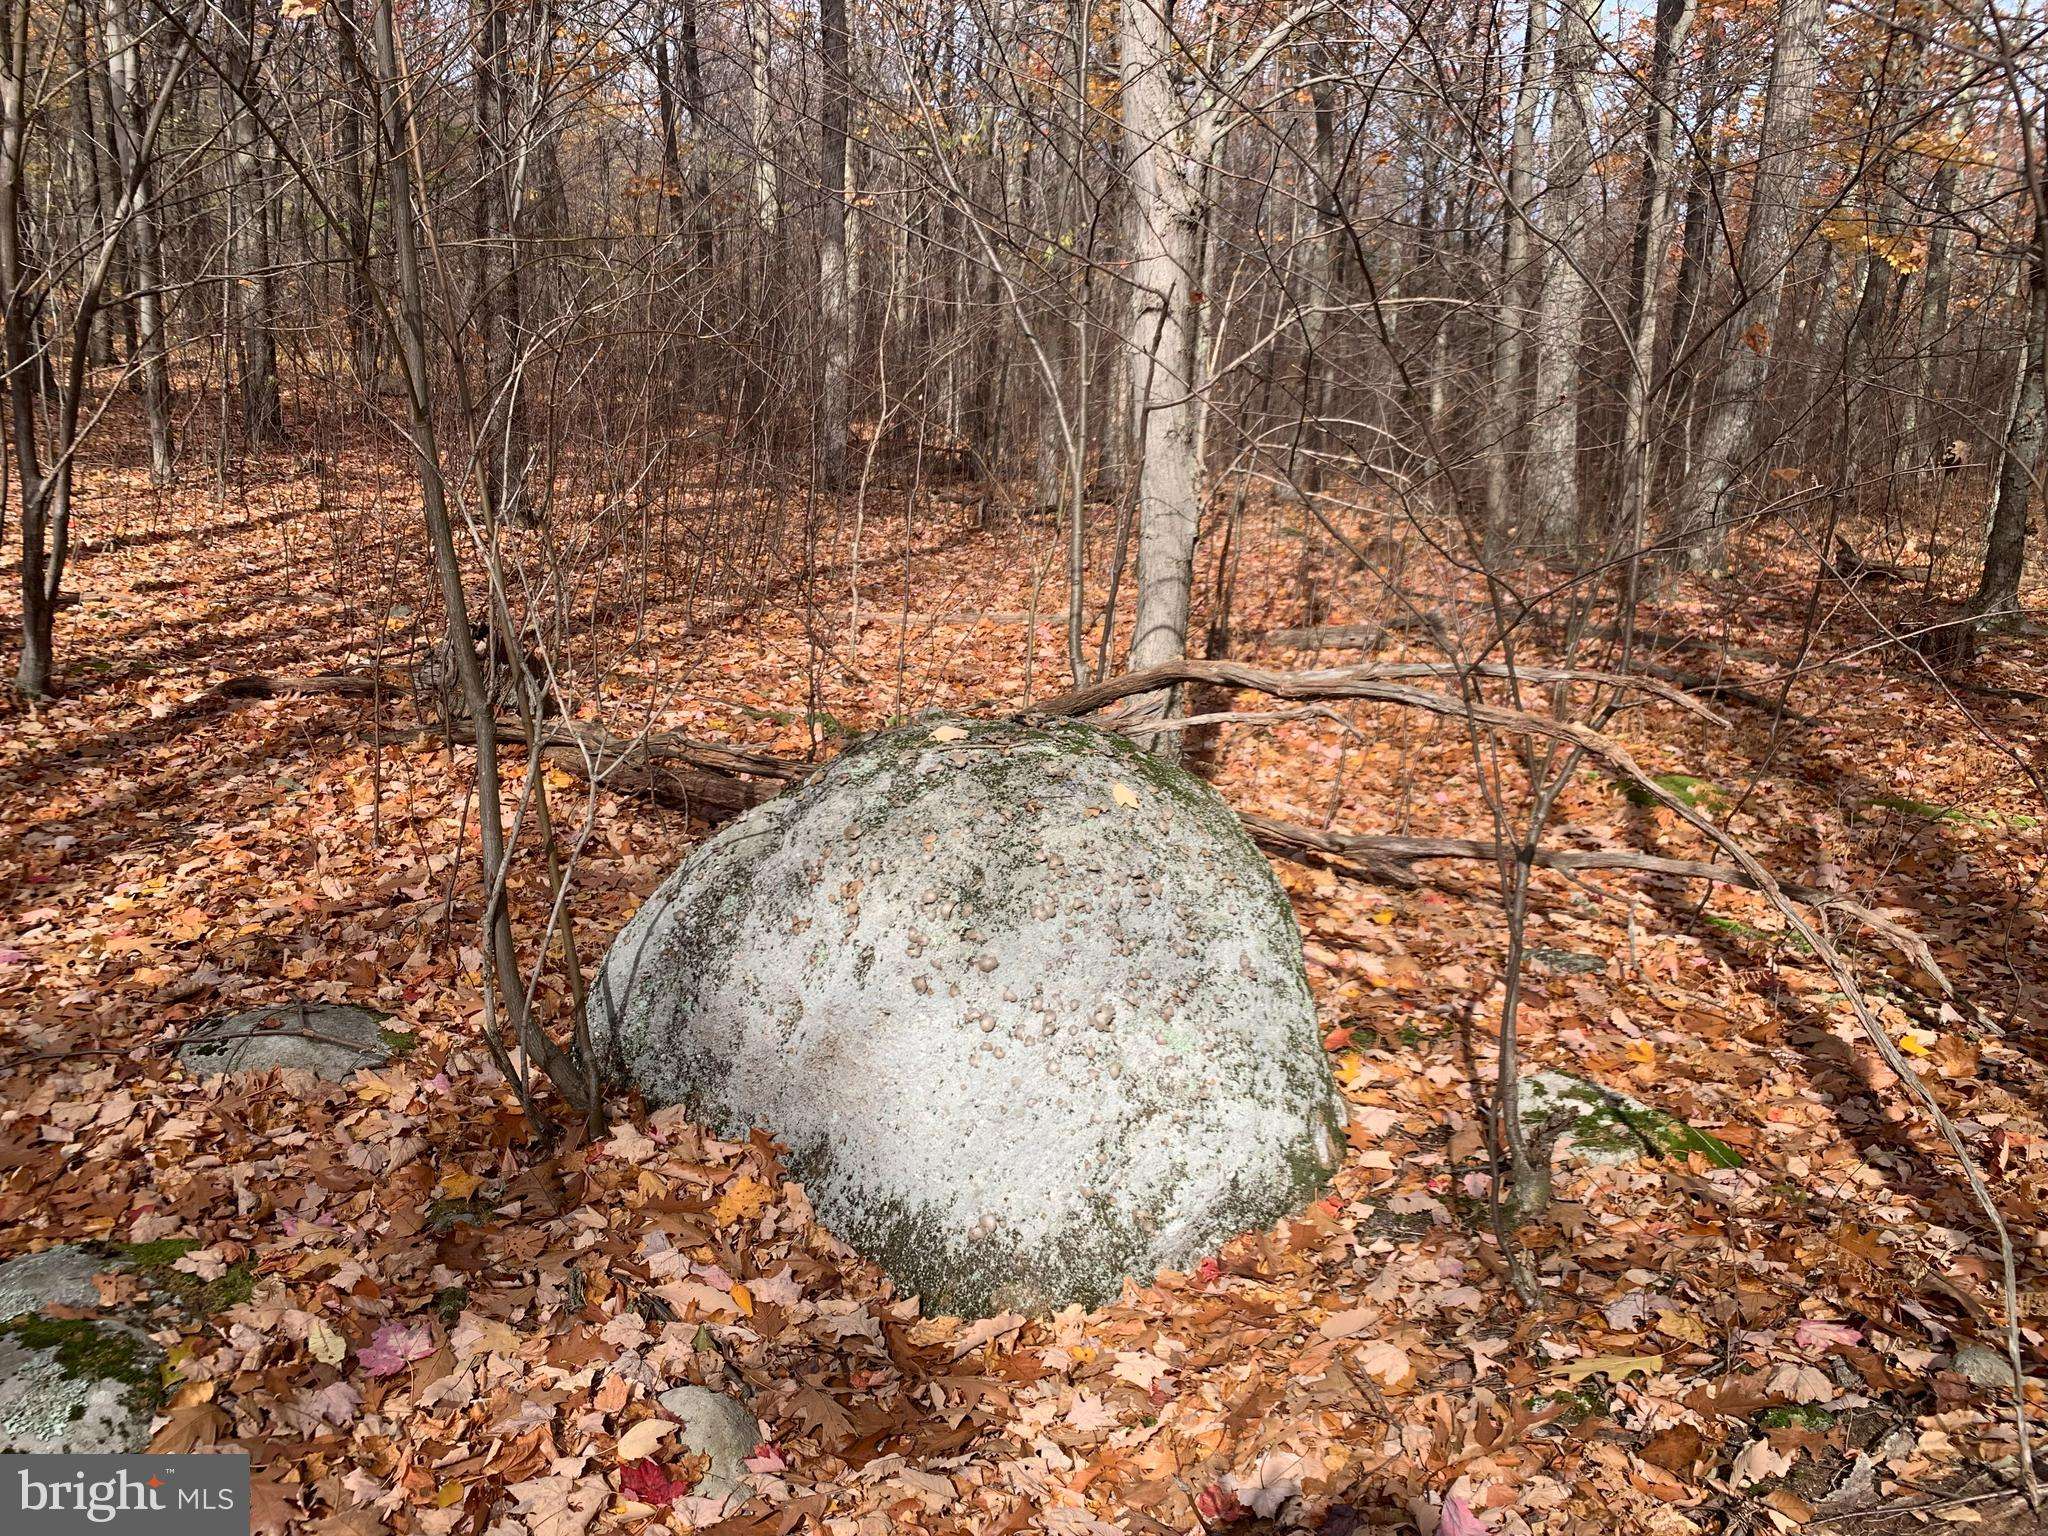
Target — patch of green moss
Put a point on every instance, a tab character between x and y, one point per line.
1795	1416
156	1262
401	1043
93	1351
446	1215
1694	791
1907	806
449	1302
161	1253
1580	1404
1609	1124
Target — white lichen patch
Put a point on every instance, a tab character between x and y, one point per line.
1025	1004
78	1388
56	1277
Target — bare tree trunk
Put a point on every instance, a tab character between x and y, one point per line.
355	209
1318	276
1552	485
1503	415
249	208
835	302
124	91
761	113
1705	499
1165	228
502	444
2019	467
562	1071
87	160
24	357
1932	321
1653	234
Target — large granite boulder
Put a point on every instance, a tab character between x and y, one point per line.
1024	1003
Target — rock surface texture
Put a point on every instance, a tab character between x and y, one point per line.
721	1430
1025	1004
329	1040
70	1385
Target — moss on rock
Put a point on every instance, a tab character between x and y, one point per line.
1025	1002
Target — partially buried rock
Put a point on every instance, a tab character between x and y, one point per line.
56	1277
1025	1004
1608	1128
70	1385
329	1040
718	1428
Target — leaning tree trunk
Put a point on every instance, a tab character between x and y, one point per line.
1705	499
1165	229
2019	465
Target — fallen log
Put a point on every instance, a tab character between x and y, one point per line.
258	686
1389	859
706	780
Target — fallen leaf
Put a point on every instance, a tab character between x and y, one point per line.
638	1443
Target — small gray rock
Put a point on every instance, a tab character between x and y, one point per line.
1983	1366
56	1277
329	1040
1609	1128
76	1387
719	1428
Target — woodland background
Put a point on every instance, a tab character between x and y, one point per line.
1554	455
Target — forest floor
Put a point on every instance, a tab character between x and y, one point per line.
414	1325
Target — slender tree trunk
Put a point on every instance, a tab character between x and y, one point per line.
1653	235
1931	327
1502	431
760	110
355	208
502	449
2020	464
1165	229
1552	484
124	90
20	286
1318	281
252	284
1705	500
562	1071
86	158
835	302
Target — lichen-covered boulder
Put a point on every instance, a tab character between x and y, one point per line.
70	1385
1024	1003
57	1277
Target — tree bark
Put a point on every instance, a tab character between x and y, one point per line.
1998	590
1552	484
835	301
1705	501
249	208
1501	433
1165	229
1653	234
125	97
